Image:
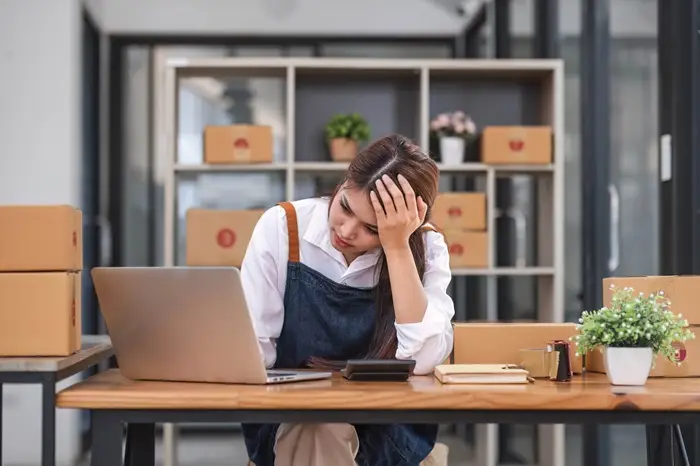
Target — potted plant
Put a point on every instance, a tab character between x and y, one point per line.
630	333
343	133
456	133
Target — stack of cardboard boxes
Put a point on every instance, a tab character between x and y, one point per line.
41	260
219	237
462	218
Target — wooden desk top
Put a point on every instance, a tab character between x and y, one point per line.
94	349
110	390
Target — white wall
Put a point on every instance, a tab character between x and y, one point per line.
279	17
628	18
40	150
40	137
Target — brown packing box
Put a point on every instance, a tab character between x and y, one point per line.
682	291
40	313
37	238
459	211
468	249
526	145
238	144
684	294
501	342
219	237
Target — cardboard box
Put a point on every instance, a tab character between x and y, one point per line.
682	291
517	145
40	313
218	237
501	342
684	294
467	249
459	211
238	144
37	238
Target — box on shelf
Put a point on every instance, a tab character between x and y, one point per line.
40	313
217	237
238	144
459	211
516	145
36	238
468	249
502	342
684	294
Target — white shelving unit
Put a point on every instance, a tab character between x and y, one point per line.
408	93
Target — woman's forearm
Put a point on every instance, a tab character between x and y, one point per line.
410	300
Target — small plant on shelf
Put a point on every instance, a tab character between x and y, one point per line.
631	332
456	131
344	132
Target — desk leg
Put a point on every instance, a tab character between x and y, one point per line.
140	445
48	421
662	450
106	449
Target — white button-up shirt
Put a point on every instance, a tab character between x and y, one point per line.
264	275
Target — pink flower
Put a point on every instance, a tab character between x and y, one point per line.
470	126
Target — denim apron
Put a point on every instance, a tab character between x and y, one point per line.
334	321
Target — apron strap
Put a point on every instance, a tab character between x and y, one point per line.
293	230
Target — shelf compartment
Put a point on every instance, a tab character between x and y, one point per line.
223	191
316	184
388	98
255	96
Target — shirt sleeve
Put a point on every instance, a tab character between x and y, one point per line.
429	342
260	278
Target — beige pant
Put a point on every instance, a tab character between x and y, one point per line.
325	444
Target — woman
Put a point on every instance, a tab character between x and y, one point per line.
357	276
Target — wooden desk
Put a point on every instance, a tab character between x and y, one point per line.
114	400
48	371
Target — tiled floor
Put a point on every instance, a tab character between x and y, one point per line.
227	449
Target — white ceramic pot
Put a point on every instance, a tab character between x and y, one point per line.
628	366
452	150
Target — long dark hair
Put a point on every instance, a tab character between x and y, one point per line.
392	155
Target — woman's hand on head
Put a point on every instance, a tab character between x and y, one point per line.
402	214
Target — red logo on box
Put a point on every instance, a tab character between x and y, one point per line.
72	312
226	238
516	145
681	352
454	212
241	143
75	239
456	249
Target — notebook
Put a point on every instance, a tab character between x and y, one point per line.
481	374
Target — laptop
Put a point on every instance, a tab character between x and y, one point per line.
185	324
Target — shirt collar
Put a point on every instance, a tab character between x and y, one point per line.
317	233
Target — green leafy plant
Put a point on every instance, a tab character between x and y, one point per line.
350	126
633	321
